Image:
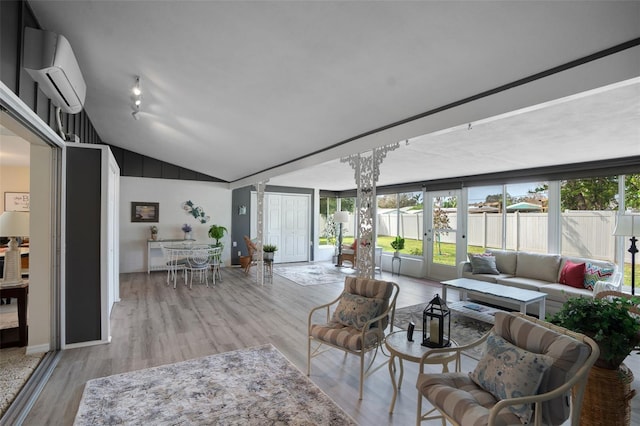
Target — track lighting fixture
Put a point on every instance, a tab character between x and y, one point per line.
137	98
136	87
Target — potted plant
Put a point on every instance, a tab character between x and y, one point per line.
397	245
217	233
154	232
607	321
269	251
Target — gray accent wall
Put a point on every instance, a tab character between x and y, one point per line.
241	224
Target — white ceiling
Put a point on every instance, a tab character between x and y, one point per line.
235	88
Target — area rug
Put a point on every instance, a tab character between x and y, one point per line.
313	273
256	386
464	330
15	369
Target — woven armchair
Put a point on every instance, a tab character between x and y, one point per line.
561	358
353	332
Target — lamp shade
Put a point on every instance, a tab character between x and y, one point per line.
14	224
628	225
341	217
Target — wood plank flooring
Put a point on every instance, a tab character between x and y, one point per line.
154	324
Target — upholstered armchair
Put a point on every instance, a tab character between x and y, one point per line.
348	252
531	372
355	322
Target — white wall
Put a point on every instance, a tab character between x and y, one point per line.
213	197
13	179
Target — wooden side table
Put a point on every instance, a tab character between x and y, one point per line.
399	347
20	292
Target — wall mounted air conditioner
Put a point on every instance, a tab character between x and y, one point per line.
49	60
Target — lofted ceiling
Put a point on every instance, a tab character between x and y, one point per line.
236	89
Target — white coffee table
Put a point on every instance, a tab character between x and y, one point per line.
497	292
399	347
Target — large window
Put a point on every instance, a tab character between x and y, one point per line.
589	208
511	217
400	215
328	228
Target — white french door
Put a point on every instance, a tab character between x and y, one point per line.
444	239
286	225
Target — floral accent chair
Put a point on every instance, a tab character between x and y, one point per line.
355	322
532	372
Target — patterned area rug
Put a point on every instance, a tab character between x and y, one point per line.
15	369
314	274
256	386
464	330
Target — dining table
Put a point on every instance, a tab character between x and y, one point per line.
177	256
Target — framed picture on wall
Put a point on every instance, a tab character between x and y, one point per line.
16	201
145	212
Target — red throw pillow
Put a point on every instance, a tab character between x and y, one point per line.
354	246
573	274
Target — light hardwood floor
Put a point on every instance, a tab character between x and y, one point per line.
154	324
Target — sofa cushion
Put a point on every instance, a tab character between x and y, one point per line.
524	283
572	274
483	264
562	292
483	277
538	266
505	260
594	273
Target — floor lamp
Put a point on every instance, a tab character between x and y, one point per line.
13	225
341	218
629	225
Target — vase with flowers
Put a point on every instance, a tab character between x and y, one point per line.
186	228
154	232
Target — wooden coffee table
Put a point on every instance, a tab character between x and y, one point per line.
399	347
497	292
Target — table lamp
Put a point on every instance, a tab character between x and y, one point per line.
13	225
629	225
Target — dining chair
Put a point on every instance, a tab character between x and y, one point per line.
175	261
198	261
215	260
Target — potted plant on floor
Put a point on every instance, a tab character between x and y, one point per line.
397	245
269	251
217	233
608	321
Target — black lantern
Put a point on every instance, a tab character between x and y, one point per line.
436	324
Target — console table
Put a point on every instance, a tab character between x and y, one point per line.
155	258
20	292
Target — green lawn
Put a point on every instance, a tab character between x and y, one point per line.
448	255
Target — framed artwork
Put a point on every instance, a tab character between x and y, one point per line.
16	201
145	212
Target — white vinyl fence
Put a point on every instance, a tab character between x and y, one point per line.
584	233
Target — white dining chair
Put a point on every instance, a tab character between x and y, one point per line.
198	261
175	260
216	256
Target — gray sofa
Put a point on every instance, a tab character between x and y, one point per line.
539	272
